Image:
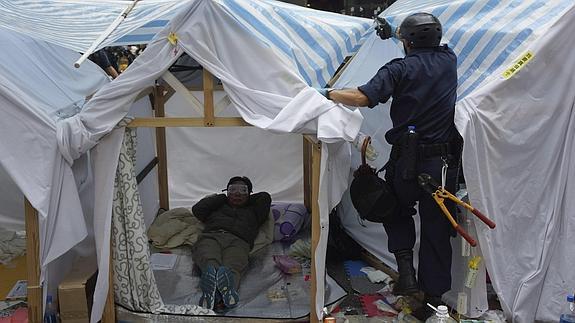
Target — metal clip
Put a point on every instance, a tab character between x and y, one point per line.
444	172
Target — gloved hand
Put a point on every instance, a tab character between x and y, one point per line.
323	91
383	28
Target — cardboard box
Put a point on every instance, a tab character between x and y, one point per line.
75	292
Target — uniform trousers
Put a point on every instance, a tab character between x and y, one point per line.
434	269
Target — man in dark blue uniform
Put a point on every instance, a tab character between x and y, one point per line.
423	86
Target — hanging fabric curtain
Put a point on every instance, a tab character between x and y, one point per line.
134	282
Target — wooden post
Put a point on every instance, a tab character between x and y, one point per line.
161	150
306	173
315	225
208	98
35	312
109	315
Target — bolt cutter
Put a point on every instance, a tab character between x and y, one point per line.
439	194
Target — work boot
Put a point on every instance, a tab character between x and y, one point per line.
424	312
406	284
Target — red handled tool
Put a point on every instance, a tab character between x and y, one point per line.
439	194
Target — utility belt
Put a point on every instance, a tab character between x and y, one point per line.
438	150
411	152
425	151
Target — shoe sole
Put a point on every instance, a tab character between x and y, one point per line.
225	286
209	291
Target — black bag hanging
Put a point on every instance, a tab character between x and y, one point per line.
372	197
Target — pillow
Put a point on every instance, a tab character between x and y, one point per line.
265	235
289	219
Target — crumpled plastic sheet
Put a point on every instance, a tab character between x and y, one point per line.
265	292
494	316
12	245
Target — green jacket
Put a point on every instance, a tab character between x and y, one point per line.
244	222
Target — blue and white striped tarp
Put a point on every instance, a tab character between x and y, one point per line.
76	24
143	34
485	34
316	41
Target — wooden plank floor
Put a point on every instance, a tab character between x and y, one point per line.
10	273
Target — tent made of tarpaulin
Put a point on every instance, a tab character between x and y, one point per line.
515	112
38	87
266	54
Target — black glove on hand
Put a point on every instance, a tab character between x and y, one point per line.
383	28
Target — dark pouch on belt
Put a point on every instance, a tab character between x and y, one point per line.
409	154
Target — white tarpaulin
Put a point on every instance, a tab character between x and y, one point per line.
266	69
517	123
38	86
519	169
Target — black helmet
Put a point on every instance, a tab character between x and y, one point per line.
241	179
421	30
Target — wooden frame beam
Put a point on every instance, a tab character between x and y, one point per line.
145	92
208	81
169	93
183	90
161	150
35	312
186	122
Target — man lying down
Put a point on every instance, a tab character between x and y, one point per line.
232	222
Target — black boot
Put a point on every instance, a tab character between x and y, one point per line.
424	312
406	284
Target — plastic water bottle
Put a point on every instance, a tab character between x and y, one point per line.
568	313
441	316
50	315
